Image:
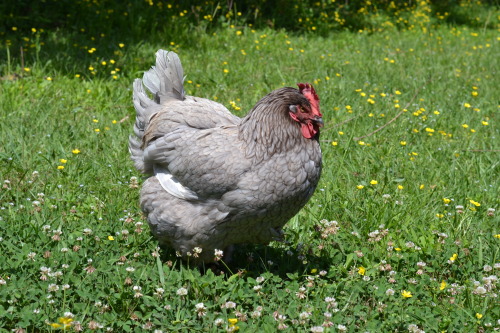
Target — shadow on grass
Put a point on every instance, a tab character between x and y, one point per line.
254	260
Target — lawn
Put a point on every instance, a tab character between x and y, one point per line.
402	234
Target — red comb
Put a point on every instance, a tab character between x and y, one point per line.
306	88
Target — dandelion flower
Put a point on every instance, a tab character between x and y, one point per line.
361	270
475	203
373	182
75	151
442	285
359	187
111	238
60	167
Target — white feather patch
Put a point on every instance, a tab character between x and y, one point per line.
172	185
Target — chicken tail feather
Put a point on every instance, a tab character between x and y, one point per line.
165	81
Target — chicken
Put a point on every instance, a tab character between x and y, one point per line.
217	179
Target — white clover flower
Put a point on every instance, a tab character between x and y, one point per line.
181	291
304	315
53	287
389	292
229	305
256	314
201	309
341	328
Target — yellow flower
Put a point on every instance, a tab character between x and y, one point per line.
49	78
334	143
497	236
121	45
479	316
111	238
422	186
314	270
454	257
406	294
66	321
114	121
62	160
359	187
97	130
467	105
398	92
400	187
402	143
446	200
226	70
60	167
474	93
76	151
485	123
465	126
232	321
442	285
361	270
475	203
373	182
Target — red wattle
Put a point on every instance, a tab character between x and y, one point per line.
308	130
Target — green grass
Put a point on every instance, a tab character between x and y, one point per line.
83	222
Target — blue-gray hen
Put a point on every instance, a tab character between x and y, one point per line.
217	179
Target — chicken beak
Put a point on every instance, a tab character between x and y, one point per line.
319	121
